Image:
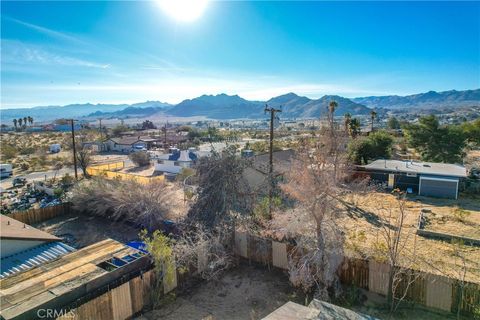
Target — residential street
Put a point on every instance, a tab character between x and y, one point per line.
35	176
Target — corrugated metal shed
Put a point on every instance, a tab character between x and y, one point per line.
30	258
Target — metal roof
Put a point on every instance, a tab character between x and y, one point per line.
431	168
33	257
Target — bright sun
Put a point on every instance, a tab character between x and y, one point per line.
183	10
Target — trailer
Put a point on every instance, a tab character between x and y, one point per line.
6	170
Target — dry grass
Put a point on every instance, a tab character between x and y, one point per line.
435	256
32	149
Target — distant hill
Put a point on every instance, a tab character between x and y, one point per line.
220	106
49	113
294	106
223	106
428	100
137	110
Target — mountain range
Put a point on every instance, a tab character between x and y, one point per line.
428	100
223	106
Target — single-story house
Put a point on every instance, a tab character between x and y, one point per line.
173	162
256	175
24	247
129	144
425	178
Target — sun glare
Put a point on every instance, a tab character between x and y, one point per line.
183	10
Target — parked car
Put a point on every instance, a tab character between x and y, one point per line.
19	182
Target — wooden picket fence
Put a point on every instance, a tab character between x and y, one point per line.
430	290
39	215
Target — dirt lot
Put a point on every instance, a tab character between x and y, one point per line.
245	292
81	230
249	292
435	256
364	232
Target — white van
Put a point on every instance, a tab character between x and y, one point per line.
6	170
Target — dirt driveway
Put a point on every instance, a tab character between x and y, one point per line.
245	292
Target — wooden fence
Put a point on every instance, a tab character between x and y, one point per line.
38	215
130	298
430	290
120	303
109	171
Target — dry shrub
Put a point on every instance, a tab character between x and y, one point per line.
145	204
207	252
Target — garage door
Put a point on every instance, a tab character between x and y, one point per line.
438	187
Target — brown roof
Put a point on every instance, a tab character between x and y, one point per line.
14	229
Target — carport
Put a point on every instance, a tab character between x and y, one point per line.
441	187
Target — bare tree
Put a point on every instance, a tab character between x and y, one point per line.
315	182
84	158
222	189
395	246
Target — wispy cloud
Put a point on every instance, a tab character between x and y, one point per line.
49	32
14	52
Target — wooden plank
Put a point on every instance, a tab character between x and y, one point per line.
241	244
99	308
136	293
121	302
170	280
279	255
260	249
27	305
17	278
39	287
378	277
101	253
354	272
438	292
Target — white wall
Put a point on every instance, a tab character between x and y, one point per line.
12	246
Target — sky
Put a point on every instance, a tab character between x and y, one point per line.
58	53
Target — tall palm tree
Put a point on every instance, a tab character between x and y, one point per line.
30	120
15	123
332	106
20	122
347	120
354	127
331	110
25	119
373	115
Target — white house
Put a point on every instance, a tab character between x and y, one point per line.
173	162
125	144
17	236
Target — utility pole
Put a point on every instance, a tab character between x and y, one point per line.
165	134
74	150
101	134
272	111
